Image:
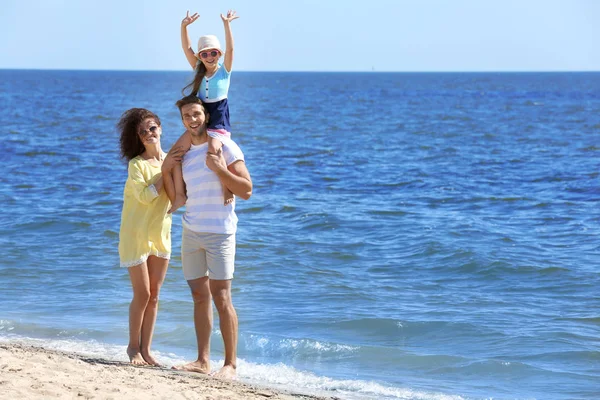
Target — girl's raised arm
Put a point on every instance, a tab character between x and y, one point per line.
231	15
186	44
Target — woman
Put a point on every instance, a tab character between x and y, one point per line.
145	235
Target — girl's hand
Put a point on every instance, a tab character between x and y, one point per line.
231	15
216	162
189	19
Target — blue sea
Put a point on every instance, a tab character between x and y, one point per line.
410	235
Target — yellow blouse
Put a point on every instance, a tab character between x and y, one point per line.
145	224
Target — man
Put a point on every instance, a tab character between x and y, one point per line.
209	227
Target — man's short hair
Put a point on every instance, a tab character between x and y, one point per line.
190	99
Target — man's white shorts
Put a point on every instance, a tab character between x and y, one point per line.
207	254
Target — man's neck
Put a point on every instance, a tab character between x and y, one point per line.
199	139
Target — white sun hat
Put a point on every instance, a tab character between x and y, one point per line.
208	42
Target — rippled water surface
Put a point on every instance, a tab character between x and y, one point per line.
413	236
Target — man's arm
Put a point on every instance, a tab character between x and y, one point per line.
235	176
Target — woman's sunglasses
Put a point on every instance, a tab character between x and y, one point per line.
212	53
152	129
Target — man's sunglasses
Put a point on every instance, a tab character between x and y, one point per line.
212	53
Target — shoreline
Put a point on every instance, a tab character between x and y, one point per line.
33	372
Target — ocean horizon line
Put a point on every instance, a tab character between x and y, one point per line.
317	72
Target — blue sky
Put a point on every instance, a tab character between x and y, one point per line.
307	35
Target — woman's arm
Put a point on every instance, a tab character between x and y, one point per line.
158	185
143	192
186	44
231	15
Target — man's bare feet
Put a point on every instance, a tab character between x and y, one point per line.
196	366
227	372
228	196
149	359
135	357
179	202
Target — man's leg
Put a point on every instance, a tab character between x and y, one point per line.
193	262
203	324
228	322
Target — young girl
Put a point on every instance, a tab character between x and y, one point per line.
211	85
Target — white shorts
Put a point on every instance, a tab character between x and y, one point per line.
207	254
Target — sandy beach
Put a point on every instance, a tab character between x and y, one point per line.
35	373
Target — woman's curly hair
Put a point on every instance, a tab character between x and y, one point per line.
129	127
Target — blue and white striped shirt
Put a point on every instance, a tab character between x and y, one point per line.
204	210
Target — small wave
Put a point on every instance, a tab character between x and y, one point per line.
589	357
509	199
591	148
504	269
50	226
387	212
585	320
287	209
533	103
279	375
91	348
251	210
294	347
284	377
396	184
39	153
107	203
111	234
308	163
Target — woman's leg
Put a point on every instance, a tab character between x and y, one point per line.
157	270
140	284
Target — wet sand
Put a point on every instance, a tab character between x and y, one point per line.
35	373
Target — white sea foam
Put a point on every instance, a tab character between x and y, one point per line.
287	344
278	376
287	378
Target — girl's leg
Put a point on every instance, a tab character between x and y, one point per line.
185	142
140	284
214	145
157	269
180	196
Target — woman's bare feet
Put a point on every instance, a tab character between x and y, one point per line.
135	357
149	359
227	372
196	366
